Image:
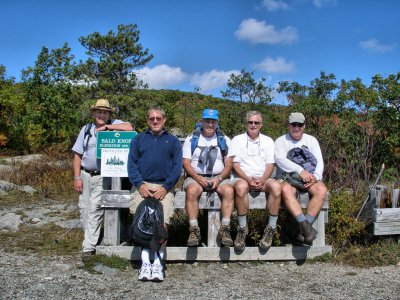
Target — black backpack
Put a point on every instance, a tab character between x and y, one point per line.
148	229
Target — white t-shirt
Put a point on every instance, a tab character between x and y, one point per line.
253	156
198	167
285	143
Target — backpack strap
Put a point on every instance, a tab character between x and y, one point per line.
195	138
87	135
222	142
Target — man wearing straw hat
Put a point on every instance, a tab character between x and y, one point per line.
87	178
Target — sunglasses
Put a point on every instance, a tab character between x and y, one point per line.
152	119
253	123
297	124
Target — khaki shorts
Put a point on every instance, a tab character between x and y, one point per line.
190	180
167	203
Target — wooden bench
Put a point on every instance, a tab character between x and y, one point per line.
114	200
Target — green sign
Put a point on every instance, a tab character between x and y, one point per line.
114	140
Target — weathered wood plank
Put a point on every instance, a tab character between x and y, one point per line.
223	253
387	228
256	200
382	215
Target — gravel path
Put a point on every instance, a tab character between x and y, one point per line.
32	277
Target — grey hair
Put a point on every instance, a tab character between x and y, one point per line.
155	107
253	113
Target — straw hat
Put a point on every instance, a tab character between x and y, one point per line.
102	104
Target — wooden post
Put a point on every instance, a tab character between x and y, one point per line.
112	219
395	198
213	227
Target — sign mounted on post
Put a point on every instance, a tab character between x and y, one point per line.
113	149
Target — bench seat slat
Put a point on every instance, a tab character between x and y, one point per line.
121	199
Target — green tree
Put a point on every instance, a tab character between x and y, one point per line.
112	60
12	108
50	105
245	88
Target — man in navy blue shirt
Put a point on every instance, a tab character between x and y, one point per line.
154	167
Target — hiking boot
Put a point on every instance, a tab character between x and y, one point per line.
224	235
308	232
240	241
266	240
145	272
86	255
194	236
157	272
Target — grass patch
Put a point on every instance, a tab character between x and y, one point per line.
41	240
324	258
113	261
384	252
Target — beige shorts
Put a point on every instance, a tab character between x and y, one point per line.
167	203
190	180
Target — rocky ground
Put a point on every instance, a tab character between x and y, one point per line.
33	275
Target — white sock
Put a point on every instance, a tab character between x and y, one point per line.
242	220
158	259
225	221
145	255
193	222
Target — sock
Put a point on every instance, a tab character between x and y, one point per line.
300	218
158	259
272	221
225	221
242	220
145	255
193	222
310	219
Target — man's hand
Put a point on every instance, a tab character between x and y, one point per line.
159	193
78	185
145	192
255	184
308	178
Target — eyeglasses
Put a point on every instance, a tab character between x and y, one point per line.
253	123
152	119
297	124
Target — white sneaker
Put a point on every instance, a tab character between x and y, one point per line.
145	272
157	272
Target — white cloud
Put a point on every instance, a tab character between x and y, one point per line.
211	80
374	46
278	65
323	3
274	5
161	76
258	32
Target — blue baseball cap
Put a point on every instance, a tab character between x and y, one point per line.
210	114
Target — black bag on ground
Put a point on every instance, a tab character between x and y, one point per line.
148	229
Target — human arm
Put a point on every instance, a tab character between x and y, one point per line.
176	169
133	157
78	185
117	125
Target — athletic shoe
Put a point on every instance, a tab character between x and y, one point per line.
145	272
157	272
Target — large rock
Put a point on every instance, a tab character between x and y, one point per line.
10	221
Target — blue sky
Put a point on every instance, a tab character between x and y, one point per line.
199	43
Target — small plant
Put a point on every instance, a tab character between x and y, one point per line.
113	261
